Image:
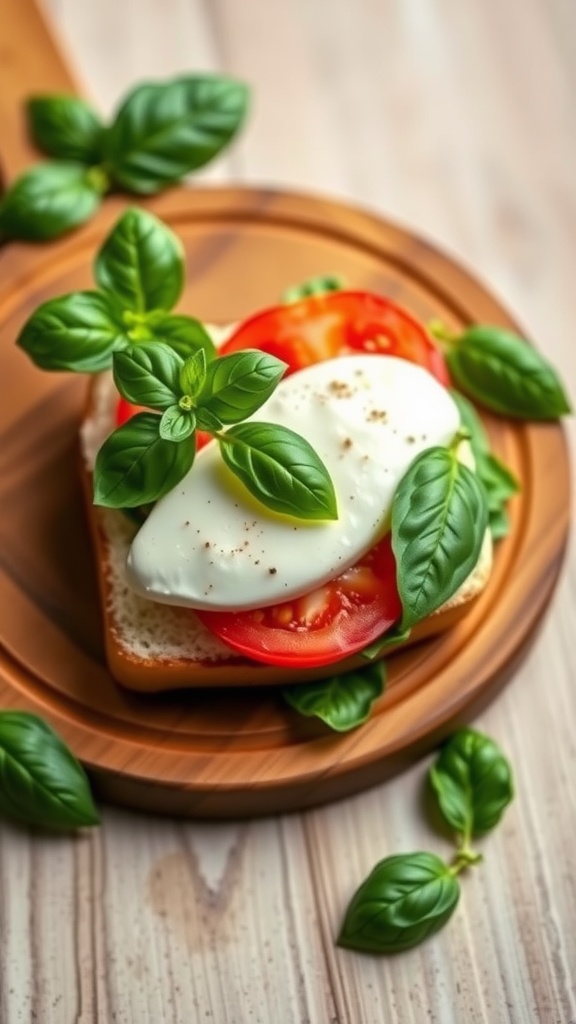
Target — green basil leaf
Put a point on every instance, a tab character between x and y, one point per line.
65	127
177	424
165	130
392	638
238	384
206	420
405	899
77	332
148	374
281	469
499	523
49	200
439	517
135	466
343	701
504	373
472	781
499	482
184	334
470	419
41	782
193	374
313	286
141	263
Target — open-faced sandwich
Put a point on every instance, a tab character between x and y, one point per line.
287	497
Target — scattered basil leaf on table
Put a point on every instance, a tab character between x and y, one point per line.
439	517
65	127
50	199
135	466
78	332
472	782
280	468
141	263
504	373
41	782
405	899
344	701
313	286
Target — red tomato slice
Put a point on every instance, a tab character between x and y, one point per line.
125	411
325	625
338	323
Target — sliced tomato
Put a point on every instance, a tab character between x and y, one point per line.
325	625
125	411
338	323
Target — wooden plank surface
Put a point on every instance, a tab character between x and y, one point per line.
458	118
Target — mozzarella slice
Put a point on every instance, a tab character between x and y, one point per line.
209	544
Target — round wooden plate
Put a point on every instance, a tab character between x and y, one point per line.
216	753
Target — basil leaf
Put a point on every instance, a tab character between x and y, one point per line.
49	200
439	517
499	523
205	420
184	334
280	469
392	638
405	899
499	482
505	374
148	374
238	384
164	130
141	263
41	782
193	374
77	332
135	466
470	419
65	127
343	701
313	286
177	424
472	781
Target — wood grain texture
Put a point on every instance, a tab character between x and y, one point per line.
458	118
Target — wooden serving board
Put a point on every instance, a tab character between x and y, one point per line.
228	752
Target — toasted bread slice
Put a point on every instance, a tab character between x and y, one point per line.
153	647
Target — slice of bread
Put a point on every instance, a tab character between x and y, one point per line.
151	646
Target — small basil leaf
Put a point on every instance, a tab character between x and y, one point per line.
177	424
499	482
504	373
313	286
238	384
281	469
65	127
184	334
141	263
49	200
439	517
165	130
405	899
472	781
343	701
41	782
193	374
499	523
148	374
78	332
206	420
135	466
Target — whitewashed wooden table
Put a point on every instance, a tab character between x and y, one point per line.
458	119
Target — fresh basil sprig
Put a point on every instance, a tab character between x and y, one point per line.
498	481
344	701
140	273
472	782
439	517
161	132
503	372
136	464
41	782
407	897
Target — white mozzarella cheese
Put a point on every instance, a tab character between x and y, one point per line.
209	544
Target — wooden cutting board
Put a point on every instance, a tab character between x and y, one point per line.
229	752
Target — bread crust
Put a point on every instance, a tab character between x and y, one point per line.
162	670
